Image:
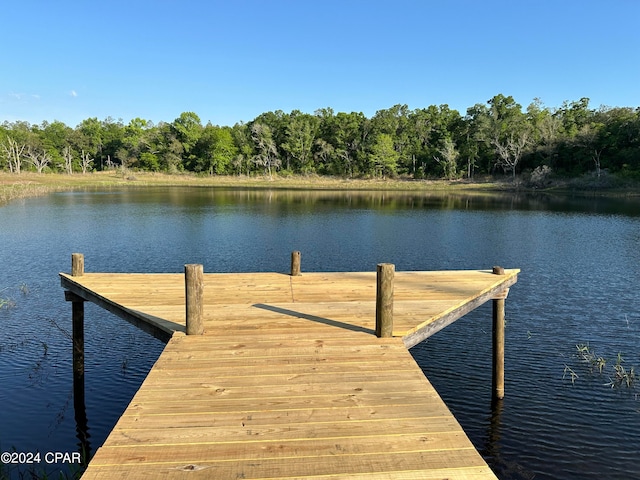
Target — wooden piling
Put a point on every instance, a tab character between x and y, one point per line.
194	294
295	263
498	342
77	341
77	330
384	299
77	317
77	264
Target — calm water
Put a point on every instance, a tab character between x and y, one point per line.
580	262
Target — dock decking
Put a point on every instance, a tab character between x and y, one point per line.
288	379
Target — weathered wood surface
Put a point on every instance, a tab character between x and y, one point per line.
289	379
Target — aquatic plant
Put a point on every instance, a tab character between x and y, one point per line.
589	356
569	370
621	375
6	302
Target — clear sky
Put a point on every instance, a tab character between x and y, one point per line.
230	60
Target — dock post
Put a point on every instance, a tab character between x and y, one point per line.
77	264
295	263
77	345
194	293
77	317
498	341
384	299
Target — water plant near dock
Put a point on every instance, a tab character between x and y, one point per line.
6	302
621	376
588	355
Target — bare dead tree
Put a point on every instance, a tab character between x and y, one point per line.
39	159
511	149
14	153
85	161
449	159
67	154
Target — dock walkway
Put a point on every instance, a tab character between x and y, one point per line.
289	379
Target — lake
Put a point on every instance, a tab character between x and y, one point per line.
580	259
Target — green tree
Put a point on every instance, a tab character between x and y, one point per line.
545	133
300	135
323	154
266	151
572	155
383	156
149	161
243	142
620	137
574	116
112	140
215	150
427	129
54	137
89	136
136	140
167	146
187	129
507	130
394	121
448	159
351	132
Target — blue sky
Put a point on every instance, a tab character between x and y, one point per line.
228	61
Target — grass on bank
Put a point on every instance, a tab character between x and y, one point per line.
32	184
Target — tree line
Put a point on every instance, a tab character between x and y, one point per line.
498	136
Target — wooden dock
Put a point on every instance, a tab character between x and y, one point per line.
288	379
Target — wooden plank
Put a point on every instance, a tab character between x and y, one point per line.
321	450
203	473
435	413
397	467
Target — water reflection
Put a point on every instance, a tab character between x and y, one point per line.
504	466
80	416
205	197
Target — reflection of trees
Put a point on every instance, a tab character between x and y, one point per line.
302	201
385	200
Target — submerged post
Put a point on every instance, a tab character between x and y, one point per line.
384	299
194	293
498	341
295	263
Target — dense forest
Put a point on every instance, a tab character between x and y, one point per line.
498	137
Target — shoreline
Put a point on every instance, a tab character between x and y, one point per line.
30	184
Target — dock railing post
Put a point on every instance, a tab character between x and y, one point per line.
384	299
77	264
194	293
498	341
77	341
295	263
77	317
